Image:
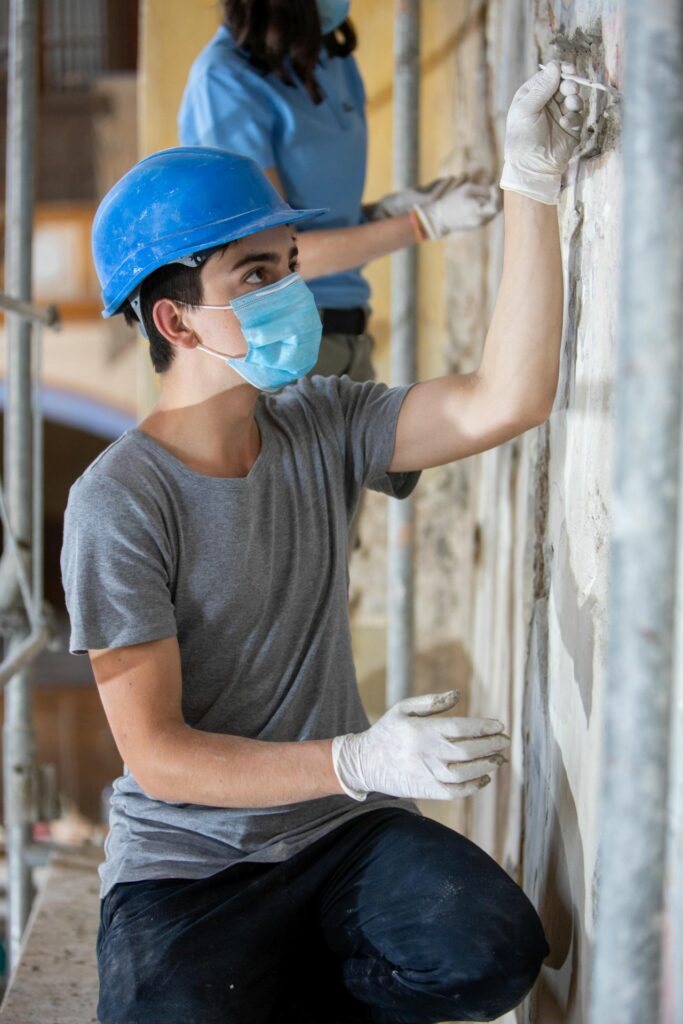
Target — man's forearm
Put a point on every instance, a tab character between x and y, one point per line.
186	765
520	362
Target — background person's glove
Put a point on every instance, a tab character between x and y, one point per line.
541	135
451	203
395	204
410	753
464	205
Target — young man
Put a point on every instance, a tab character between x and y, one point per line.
265	862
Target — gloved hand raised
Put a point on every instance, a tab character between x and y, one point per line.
411	753
541	134
444	205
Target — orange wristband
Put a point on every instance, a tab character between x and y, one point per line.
417	227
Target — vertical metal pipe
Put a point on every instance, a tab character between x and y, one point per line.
638	699
38	472
401	583
673	969
18	732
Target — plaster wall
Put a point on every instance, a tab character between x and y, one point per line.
537	523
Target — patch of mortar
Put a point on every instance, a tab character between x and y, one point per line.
574	304
585	49
541	571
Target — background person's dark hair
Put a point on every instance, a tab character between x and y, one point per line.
174	281
285	34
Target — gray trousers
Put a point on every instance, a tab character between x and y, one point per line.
345	353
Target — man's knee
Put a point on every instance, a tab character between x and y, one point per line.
497	969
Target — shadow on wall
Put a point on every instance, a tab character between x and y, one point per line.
552	843
443	667
576	620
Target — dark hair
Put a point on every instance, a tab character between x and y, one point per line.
284	35
174	281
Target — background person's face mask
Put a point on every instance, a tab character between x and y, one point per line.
282	328
332	13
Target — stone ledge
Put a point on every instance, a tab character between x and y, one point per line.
56	979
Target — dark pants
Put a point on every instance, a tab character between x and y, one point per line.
391	918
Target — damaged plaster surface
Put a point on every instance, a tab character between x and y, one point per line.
512	547
540	591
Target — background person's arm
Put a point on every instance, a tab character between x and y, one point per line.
333	250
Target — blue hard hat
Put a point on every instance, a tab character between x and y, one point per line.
174	204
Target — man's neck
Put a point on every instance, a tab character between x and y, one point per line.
215	434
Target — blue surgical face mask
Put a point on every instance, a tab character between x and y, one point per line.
281	326
332	13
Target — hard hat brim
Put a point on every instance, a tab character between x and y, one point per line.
196	241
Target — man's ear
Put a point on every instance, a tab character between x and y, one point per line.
170	319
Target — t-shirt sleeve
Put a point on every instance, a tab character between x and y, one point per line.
115	568
370	414
229	113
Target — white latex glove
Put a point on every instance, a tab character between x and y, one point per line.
410	753
397	203
541	134
465	205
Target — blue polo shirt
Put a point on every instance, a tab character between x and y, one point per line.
319	151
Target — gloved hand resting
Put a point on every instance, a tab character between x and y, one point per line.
462	206
541	134
444	205
395	204
411	753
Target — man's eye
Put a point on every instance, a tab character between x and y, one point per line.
254	277
294	266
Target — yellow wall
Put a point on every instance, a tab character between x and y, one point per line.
173	33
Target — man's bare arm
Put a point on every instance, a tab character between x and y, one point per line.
513	390
514	387
140	687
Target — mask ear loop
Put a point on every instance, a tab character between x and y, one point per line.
225	358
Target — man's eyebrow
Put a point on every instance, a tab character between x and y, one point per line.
264	257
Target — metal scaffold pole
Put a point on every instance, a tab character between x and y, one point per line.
18	732
401	584
673	968
640	682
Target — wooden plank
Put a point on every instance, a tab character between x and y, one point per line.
56	979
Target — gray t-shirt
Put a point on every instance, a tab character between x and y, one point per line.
251	575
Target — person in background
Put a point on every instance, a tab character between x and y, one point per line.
279	83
